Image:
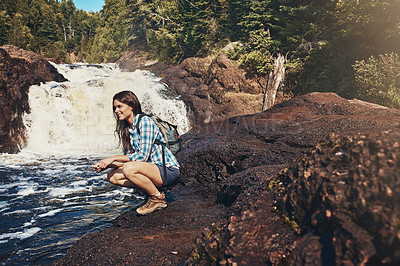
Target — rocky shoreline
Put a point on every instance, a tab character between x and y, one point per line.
272	188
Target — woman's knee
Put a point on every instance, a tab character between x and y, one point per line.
110	176
113	176
130	168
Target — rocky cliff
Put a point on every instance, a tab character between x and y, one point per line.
19	69
312	181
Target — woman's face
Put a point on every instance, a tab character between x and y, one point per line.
123	111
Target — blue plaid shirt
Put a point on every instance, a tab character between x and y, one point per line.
144	148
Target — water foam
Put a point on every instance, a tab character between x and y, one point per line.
27	191
64	191
49	213
21	234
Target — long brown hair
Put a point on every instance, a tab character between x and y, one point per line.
122	126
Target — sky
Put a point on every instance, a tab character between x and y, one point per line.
89	5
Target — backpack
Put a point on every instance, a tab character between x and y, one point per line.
169	132
171	136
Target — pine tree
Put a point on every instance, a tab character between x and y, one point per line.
5	26
110	39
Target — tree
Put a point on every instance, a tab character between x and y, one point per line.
20	34
255	55
111	38
5	26
275	79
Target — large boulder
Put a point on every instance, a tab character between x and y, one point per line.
216	88
19	69
278	136
295	204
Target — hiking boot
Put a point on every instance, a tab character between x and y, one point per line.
153	203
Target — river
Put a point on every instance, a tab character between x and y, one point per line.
50	196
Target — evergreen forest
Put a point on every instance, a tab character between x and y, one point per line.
350	47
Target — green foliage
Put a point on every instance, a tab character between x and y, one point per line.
111	39
174	29
164	45
5	26
48	27
255	56
109	43
378	79
331	35
19	33
321	38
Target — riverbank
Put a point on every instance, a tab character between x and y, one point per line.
309	181
241	164
164	237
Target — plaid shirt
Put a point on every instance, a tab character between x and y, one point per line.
144	148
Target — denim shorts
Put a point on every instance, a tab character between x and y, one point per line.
172	175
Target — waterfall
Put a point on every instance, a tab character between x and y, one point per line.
77	117
50	194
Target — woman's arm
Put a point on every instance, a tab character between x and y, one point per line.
111	162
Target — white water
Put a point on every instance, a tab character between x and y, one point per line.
50	195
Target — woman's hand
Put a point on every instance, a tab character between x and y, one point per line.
103	164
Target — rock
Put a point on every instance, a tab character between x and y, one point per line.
227	75
244	159
215	151
134	60
213	88
346	191
290	192
19	69
196	66
164	237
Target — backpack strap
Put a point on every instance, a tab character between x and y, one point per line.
163	150
164	167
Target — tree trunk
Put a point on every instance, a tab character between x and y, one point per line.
65	33
276	77
70	34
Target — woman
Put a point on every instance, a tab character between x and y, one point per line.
141	166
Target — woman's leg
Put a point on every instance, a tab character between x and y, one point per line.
143	175
116	177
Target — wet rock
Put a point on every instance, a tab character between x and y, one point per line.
19	69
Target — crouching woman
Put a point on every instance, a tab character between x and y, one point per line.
141	166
